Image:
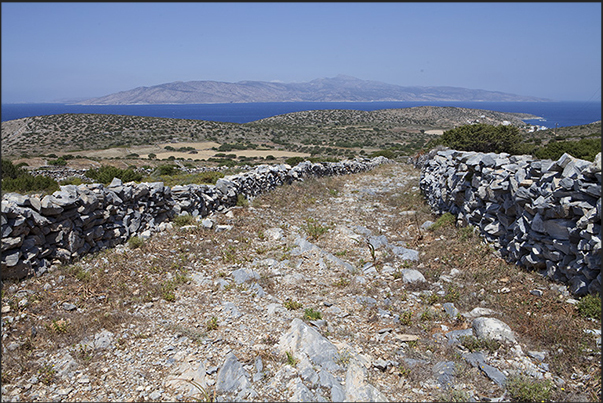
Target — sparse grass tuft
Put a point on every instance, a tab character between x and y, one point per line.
212	324
472	344
445	220
314	229
135	242
311	314
291	360
406	318
292	305
242	200
589	306
524	389
59	326
185	219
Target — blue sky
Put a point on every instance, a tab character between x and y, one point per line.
56	51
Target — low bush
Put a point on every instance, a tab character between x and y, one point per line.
524	389
294	160
444	220
383	153
483	138
167	169
589	306
106	173
185	219
16	179
59	162
585	149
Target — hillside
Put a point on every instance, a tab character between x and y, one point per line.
75	132
337	89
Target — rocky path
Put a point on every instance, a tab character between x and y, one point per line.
318	291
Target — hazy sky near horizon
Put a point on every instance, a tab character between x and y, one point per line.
59	51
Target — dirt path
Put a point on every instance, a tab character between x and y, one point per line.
350	248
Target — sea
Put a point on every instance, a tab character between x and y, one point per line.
551	114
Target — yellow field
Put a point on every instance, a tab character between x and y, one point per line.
203	149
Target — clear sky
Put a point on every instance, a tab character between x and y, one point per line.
60	51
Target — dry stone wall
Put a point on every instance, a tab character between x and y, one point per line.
544	215
78	220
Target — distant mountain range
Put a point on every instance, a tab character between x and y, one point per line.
338	89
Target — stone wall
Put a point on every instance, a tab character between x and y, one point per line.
544	215
77	220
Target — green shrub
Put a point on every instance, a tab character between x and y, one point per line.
383	153
290	359
585	149
11	171
589	306
106	173
311	314
242	200
183	220
294	160
524	389
445	219
483	138
29	183
16	179
167	169
59	162
135	242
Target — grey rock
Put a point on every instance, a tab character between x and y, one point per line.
450	309
404	253
412	276
274	233
475	312
477	359
231	310
103	339
243	275
69	306
231	377
305	339
357	389
299	391
427	224
444	372
492	328
302	246
327	380
306	372
378	241
538	355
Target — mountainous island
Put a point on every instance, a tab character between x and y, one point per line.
337	89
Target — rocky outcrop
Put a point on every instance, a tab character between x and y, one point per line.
77	220
545	215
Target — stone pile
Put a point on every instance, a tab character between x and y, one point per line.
77	220
545	215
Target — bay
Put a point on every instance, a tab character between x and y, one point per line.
551	113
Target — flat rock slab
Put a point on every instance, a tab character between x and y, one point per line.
305	339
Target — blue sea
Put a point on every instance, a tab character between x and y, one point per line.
552	113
